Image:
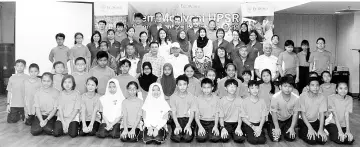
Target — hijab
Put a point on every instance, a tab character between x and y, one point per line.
146	80
244	36
111	103
168	82
202	41
184	43
155	108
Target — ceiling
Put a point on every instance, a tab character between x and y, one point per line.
320	7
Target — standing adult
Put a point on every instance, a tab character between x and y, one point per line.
244	33
154	28
156	60
276	50
220	41
138	25
173	32
234	44
228	32
203	42
266	61
193	33
94	45
102	30
255	48
211	30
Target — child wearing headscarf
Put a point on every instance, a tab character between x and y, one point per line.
168	81
146	78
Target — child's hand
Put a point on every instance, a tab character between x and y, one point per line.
297	80
238	131
90	127
224	133
42	123
156	132
215	130
341	136
132	134
276	132
177	130
124	133
8	108
257	131
150	131
188	130
65	127
292	132
85	129
201	131
322	134
349	136
311	134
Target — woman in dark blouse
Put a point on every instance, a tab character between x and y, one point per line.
235	43
255	48
220	41
143	46
94	45
219	62
244	33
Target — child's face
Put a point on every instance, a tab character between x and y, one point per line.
182	85
154	48
167	70
130	50
230	71
103	47
34	72
221	53
19	67
189	72
131	32
243	52
80	65
235	35
132	90
68	83
46	82
254	90
342	89
111	35
286	88
59	68
156	91
231	89
304	47
320	44
125	68
147	70
266	77
220	34
289	48
143	37
211	75
119	28
96	37
79	39
91	86
102	62
138	20
246	77
162	34
206	88
314	86
275	40
202	33
60	41
112	88
182	35
326	77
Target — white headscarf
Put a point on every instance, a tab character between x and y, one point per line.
155	108
112	103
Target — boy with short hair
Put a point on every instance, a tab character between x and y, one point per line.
313	106
284	109
131	56
231	74
104	46
102	30
230	109
138	26
16	96
120	33
59	67
60	52
80	75
253	114
102	72
31	86
124	78
183	106
207	113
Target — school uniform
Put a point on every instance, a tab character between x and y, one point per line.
153	31
253	111
60	53
284	110
230	111
183	107
311	107
46	100
303	70
93	51
103	75
206	111
80	80
240	91
126	42
16	88
112	63
67	103
88	104
194	86
327	91
131	110
57	78
124	79
79	51
30	90
289	62
114	48
339	105
321	61
264	93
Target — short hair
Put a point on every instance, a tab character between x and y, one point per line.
131	44
287	80
289	43
195	17
102	54
102	21
95	80
20	61
229	64
143	32
324	72
58	62
207	81
107	44
119	24
253	83
313	73
182	78
158	13
51	76
275	36
321	38
110	30
177	16
246	72
127	30
68	77
231	81
154	43
60	35
139	15
220	30
80	58
132	83
34	65
122	62
313	79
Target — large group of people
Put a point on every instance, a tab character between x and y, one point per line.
213	84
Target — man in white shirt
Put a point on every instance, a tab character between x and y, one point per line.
266	61
177	60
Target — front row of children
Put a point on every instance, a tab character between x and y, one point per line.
206	117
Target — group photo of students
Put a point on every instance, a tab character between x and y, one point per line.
204	84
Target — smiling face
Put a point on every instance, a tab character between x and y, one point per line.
230	71
91	86
206	88
221	53
235	35
156	93
254	90
231	89
342	89
147	70
182	35
243	28
132	90
202	33
211	75
46	81
68	84
79	39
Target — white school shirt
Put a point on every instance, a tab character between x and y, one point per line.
264	62
178	63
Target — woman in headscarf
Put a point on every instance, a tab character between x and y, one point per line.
168	81
201	62
146	78
203	42
244	33
185	44
155	115
110	106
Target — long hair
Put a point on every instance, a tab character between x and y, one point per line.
305	42
166	38
272	91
